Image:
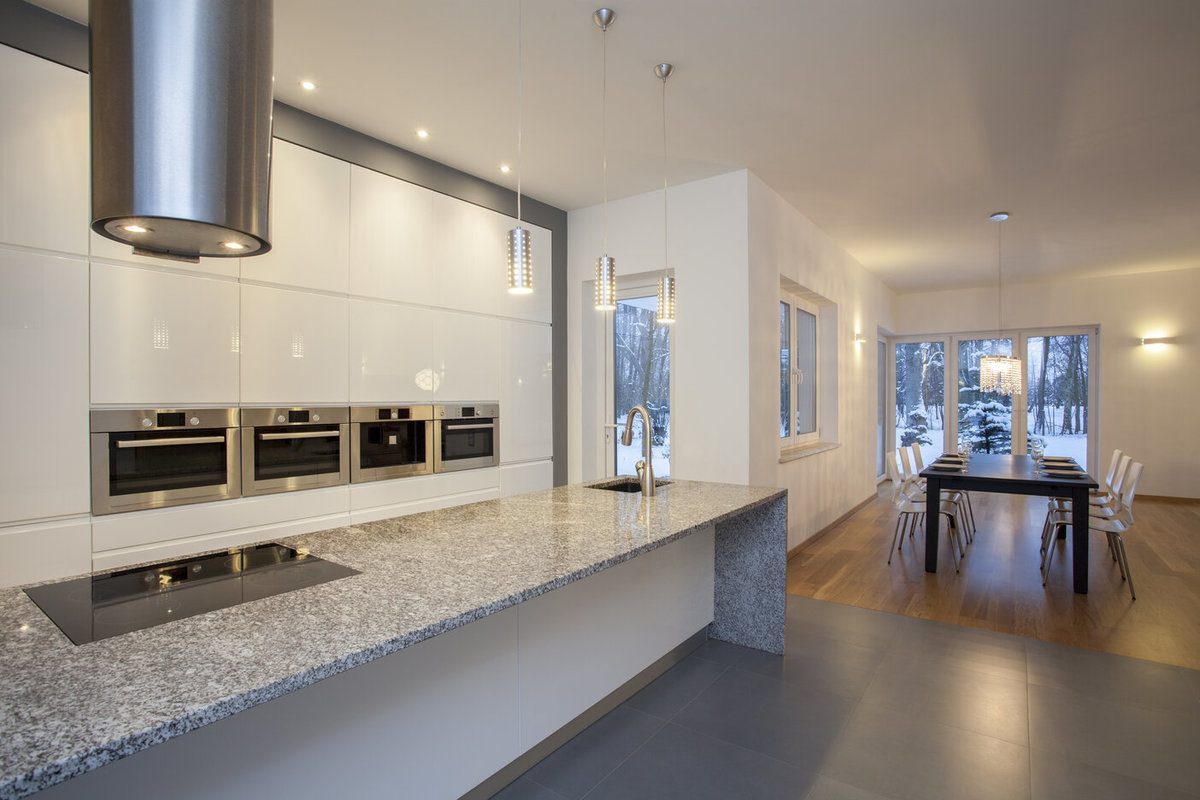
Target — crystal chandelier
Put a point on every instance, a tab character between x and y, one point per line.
666	284
1000	374
606	265
520	243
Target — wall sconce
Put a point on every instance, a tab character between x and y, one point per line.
859	338
1150	340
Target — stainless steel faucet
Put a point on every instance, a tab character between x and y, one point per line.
645	467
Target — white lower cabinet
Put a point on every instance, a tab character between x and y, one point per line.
391	353
162	338
45	551
528	477
396	498
526	392
467	358
294	347
44	390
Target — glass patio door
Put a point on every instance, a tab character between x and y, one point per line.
984	419
921	396
1059	395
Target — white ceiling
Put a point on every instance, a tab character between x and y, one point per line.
895	125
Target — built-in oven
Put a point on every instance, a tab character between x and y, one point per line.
467	436
390	442
153	458
285	449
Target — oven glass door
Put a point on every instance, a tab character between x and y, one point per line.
293	451
462	440
157	461
391	444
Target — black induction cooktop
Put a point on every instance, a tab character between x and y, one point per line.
101	606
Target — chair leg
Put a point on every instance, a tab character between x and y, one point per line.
1125	561
971	514
895	536
952	534
1050	554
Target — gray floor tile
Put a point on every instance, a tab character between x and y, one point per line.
822	664
678	763
1056	777
979	654
1112	677
525	789
943	691
829	789
911	758
1149	744
722	652
779	719
581	763
677	687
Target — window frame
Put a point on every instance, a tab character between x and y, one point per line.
794	440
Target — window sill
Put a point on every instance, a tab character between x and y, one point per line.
806	450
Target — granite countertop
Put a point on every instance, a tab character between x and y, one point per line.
67	709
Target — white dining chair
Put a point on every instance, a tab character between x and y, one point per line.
1114	527
912	513
963	497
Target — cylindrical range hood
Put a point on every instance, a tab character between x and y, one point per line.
181	125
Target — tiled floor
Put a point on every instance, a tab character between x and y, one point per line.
874	706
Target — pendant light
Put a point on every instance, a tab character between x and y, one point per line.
1000	374
520	243
606	265
666	284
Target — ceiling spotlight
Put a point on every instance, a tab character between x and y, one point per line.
233	245
505	168
308	86
999	216
422	133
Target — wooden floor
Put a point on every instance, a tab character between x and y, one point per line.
1000	587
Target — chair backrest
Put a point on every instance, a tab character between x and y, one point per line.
1129	487
893	473
1118	481
918	459
1112	467
905	463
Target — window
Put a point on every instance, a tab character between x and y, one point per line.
799	375
880	407
921	397
984	418
641	364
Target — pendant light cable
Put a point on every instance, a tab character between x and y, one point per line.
604	126
520	243
520	100
1000	275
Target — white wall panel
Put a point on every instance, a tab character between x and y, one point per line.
43	388
43	154
161	338
45	551
294	347
526	392
531	476
391	353
391	239
467	357
310	222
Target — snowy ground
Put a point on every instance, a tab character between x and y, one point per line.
628	456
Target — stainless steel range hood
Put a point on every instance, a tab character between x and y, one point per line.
181	125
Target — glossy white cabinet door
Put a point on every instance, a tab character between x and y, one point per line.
294	347
108	250
43	552
391	353
44	388
310	222
536	305
391	239
526	403
471	253
43	154
530	476
467	357
162	338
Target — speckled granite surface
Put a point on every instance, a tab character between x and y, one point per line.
65	709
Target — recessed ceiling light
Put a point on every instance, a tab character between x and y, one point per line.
505	168
307	86
422	133
134	228
233	245
999	216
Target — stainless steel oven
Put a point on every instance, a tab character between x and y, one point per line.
467	437
153	458
390	442
284	449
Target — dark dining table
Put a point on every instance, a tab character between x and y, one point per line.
1007	474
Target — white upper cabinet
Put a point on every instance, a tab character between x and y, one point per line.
44	182
44	389
467	358
391	353
391	239
294	347
310	222
471	255
526	386
161	338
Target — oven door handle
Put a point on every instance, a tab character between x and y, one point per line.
127	443
469	427
273	437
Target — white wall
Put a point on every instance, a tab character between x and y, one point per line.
1146	403
349	307
707	241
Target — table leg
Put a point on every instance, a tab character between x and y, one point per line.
1079	538
933	503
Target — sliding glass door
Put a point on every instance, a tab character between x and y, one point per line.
985	419
921	396
1059	393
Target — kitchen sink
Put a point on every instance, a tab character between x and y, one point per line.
628	484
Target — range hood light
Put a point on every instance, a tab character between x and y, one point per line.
233	245
135	229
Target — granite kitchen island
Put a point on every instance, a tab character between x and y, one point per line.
474	640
